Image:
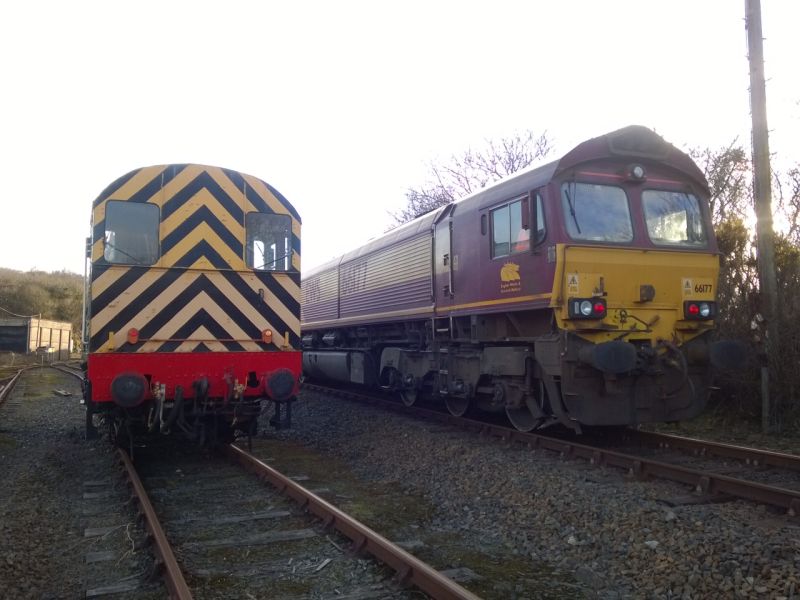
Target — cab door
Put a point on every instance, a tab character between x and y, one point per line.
444	290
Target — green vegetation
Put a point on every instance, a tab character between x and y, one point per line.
730	177
57	296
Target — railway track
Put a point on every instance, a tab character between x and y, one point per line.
225	535
7	384
649	455
65	368
750	456
59	501
209	547
774	469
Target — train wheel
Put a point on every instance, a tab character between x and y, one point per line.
522	418
457	405
529	415
408	397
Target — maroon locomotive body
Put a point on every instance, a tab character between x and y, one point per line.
581	292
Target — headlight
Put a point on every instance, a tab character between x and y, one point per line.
694	310
586	308
635	173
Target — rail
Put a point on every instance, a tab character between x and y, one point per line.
702	481
410	570
8	384
173	576
77	373
753	456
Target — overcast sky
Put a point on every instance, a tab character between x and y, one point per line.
340	105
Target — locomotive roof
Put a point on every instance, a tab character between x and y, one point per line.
405	231
637	143
168	171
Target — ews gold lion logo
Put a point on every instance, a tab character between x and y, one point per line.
509	278
509	272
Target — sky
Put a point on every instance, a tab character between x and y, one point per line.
343	105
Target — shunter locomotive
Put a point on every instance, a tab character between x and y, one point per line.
193	307
580	292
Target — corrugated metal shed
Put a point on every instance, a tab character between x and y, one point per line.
31	334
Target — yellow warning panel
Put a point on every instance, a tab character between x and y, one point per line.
687	286
572	283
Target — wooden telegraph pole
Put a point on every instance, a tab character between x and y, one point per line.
762	198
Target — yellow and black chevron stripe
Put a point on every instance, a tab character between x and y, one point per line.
199	296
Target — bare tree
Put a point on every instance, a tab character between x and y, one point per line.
472	170
729	176
789	201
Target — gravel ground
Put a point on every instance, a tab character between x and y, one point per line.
46	505
617	538
712	426
588	530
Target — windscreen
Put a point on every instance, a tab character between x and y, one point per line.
597	213
269	242
673	218
131	233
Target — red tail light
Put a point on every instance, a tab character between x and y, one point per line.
586	308
699	310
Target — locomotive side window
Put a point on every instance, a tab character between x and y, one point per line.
540	227
511	230
269	241
596	212
501	232
673	218
131	235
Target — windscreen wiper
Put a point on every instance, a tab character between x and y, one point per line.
272	262
135	260
572	208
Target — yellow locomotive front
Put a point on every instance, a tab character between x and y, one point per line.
633	297
635	329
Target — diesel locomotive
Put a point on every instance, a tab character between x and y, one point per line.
580	292
193	303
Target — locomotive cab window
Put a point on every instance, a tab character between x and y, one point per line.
269	242
597	213
131	234
511	227
673	218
